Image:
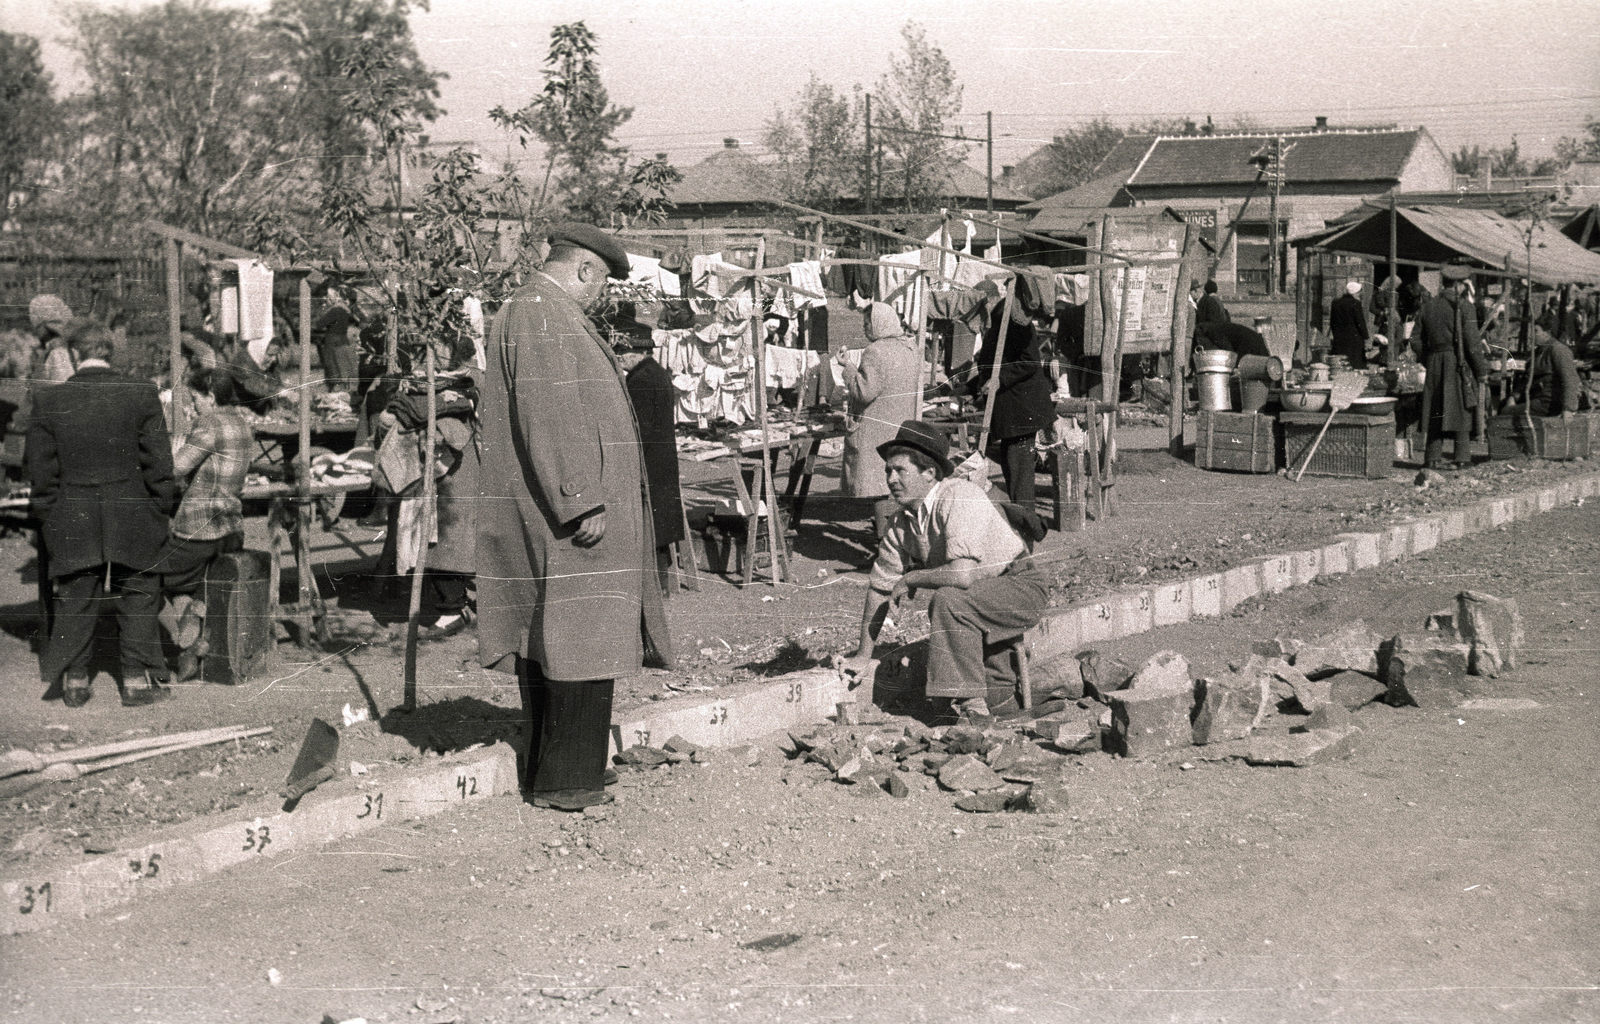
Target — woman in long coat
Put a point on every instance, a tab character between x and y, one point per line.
882	395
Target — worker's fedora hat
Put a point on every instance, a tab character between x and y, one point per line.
925	439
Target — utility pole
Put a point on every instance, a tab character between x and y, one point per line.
1272	228
988	120
867	178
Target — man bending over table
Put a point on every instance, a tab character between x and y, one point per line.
948	537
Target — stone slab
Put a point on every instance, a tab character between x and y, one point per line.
1172	604
1277	574
67	892
1501	512
1205	597
1307	566
1425	535
1131	614
1240	584
1452	526
1147	723
1057	634
1335	559
1548	499
1396	542
1095	622
1366	549
809	696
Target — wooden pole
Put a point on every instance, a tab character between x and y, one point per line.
1114	384
310	599
1180	343
425	531
175	363
923	376
1392	321
769	493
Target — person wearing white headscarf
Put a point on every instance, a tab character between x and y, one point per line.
882	394
1347	322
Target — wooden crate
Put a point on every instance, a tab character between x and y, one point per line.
1245	442
1355	445
1552	437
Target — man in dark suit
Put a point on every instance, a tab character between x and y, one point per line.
100	463
1347	322
1210	310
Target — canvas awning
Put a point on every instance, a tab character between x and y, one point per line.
1440	234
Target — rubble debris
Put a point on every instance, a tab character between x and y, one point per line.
1101	675
1442	621
1146	723
638	756
678	745
896	786
1226	709
1164	671
1302	749
984	803
1425	671
1352	690
1044	798
1330	716
1492	629
1352	647
965	771
1058	678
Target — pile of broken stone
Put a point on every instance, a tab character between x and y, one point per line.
1290	704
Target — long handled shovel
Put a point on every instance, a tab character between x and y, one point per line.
1347	387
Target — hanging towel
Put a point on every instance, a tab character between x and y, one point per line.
807	274
251	304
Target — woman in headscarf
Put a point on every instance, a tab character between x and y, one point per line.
882	394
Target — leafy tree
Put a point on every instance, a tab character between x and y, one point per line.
316	39
1506	162
1569	149
586	174
182	120
818	145
26	114
920	96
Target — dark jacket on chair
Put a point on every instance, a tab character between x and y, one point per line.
100	463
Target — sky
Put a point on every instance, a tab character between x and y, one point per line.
1474	72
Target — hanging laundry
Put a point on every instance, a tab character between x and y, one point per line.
474	313
896	272
705	281
646	270
807	274
247	305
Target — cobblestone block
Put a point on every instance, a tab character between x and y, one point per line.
1352	690
1452	525
1131	614
1425	671
1277	574
1335	559
1240	584
967	772
1396	542
1366	549
1205	597
1171	604
1094	622
1307	566
1147	723
1492	629
1302	749
1424	535
1227	707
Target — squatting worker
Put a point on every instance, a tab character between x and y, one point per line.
567	588
949	537
1445	340
100	463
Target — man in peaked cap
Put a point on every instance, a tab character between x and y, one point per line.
948	537
567	591
1445	340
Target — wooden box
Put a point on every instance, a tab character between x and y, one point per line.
238	627
1551	438
1355	445
1245	442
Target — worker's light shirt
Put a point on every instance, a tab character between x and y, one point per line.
955	519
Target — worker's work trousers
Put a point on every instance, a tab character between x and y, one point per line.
969	645
570	730
80	601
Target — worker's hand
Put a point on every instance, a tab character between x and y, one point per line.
591	529
901	593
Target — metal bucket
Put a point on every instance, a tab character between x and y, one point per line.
1269	368
1214	359
1252	395
1212	388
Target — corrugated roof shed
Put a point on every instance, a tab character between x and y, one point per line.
1316	157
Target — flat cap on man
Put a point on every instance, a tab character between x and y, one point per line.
1455	271
587	236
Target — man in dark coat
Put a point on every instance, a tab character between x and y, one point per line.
1347	321
1445	340
567	588
655	405
100	463
1231	337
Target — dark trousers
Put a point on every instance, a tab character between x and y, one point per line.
569	730
340	367
444	592
1018	464
969	644
183	563
80	600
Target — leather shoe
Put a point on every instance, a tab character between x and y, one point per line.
571	799
154	691
75	693
609	777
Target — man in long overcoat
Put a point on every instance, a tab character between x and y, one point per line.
99	460
1445	340
655	408
1347	322
567	589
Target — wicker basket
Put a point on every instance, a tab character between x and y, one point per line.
1355	445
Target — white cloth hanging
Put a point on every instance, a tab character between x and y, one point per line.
807	274
247	306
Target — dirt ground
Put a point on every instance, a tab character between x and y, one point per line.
1173	521
1445	872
